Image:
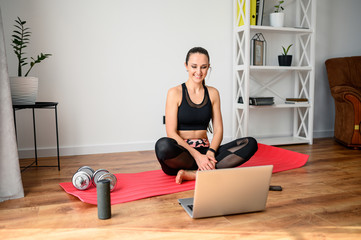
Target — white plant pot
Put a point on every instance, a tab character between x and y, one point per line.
276	19
24	90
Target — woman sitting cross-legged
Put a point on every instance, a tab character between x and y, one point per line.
189	109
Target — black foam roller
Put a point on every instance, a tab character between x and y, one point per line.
103	198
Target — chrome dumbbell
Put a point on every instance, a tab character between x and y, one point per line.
83	178
102	174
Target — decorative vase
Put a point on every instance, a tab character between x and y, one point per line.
285	60
276	19
24	90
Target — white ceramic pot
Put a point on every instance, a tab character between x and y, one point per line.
24	90
276	19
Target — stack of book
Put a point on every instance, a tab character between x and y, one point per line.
259	101
296	100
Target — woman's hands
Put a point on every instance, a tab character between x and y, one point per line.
206	161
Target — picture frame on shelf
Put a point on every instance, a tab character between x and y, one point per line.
258	50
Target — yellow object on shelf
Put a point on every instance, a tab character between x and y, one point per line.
241	16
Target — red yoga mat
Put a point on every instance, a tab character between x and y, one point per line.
134	186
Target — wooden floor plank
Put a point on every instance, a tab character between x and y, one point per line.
321	200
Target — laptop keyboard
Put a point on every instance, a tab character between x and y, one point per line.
190	207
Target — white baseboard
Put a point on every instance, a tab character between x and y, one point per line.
85	150
94	149
323	134
112	148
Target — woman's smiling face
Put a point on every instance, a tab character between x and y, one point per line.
197	67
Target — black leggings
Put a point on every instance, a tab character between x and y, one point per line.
173	157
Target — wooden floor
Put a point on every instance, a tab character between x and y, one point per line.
321	200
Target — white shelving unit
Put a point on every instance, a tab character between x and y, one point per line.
281	123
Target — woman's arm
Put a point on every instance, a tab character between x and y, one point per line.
216	120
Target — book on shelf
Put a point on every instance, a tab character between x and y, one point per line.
258	101
253	17
296	101
259	12
293	102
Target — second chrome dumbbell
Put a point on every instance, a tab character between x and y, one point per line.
102	174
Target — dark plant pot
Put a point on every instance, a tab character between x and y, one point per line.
285	60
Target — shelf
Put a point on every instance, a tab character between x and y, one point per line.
275	29
274	141
296	105
274	68
283	119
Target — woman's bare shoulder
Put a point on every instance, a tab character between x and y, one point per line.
213	92
175	95
175	91
212	89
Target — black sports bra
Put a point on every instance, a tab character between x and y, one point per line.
193	116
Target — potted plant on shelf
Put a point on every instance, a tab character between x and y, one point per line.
277	17
24	89
285	59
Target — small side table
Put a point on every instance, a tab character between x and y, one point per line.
42	105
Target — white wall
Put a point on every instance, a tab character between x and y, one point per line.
338	35
114	60
112	64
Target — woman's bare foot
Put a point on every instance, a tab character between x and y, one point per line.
185	175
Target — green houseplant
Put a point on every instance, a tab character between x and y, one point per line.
277	17
24	89
285	59
279	7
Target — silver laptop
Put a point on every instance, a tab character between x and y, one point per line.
229	191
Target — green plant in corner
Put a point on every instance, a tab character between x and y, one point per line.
279	8
21	37
285	51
